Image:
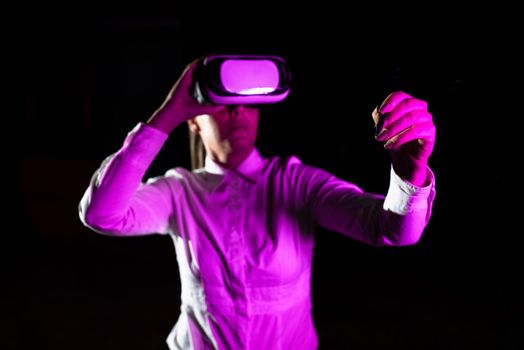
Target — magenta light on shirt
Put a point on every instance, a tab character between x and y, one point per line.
248	77
244	239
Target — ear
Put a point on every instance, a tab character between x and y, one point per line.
193	126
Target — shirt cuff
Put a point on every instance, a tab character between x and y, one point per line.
404	198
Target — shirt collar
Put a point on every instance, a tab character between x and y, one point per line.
250	168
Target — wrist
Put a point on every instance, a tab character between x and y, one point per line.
163	122
414	173
417	178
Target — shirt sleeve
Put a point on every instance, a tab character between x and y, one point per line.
396	219
116	201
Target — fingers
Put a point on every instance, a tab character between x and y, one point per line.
376	116
403	118
186	79
397	105
392	126
394	106
192	65
424	134
392	101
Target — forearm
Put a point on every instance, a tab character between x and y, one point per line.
162	121
398	219
107	202
407	210
416	173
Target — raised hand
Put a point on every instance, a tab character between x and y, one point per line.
406	127
180	105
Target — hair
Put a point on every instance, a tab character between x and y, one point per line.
197	151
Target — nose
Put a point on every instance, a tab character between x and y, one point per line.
236	110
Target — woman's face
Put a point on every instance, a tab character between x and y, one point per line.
229	135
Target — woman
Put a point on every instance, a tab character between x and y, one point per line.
243	225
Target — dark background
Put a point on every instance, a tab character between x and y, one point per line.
86	73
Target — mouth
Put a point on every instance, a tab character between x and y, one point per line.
237	142
237	133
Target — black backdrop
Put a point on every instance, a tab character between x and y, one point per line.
86	74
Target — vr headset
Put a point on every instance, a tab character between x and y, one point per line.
241	80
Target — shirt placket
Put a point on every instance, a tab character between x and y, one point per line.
236	255
236	244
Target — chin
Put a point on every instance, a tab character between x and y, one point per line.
234	159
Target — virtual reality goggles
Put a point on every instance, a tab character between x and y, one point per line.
241	79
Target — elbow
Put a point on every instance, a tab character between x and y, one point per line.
98	223
402	231
400	240
89	219
96	219
404	235
87	215
408	239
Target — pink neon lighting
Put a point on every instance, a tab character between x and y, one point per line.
249	77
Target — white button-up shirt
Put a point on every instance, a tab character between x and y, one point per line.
244	239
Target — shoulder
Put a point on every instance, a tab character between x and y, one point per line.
175	177
178	173
280	164
295	169
198	180
283	161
